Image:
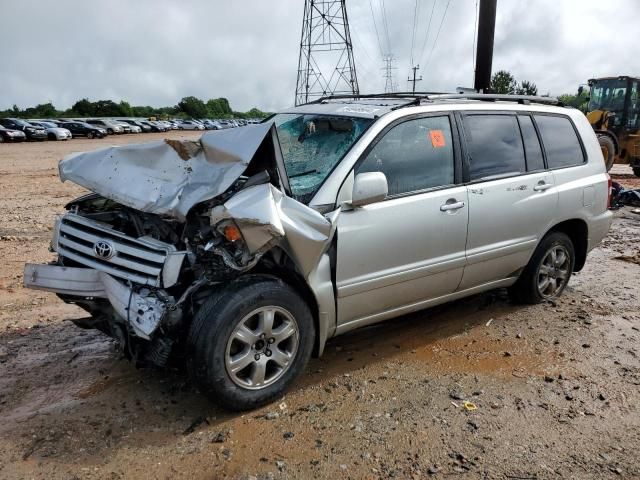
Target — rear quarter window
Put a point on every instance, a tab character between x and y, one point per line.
560	140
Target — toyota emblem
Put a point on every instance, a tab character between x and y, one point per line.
103	250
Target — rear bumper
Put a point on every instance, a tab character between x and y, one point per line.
599	228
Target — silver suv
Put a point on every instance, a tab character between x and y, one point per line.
242	253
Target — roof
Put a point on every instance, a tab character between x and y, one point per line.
376	105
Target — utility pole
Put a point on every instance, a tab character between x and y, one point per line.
389	84
414	80
484	50
326	65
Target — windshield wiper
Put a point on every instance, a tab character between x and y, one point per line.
303	173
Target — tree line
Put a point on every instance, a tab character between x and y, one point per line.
188	107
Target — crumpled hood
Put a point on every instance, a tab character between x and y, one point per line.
169	177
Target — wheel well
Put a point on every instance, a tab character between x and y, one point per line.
578	232
285	271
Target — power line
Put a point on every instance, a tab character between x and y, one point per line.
386	25
415	23
437	34
375	26
424	44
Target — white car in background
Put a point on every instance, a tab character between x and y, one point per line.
130	127
54	132
190	125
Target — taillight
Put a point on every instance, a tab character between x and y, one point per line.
609	190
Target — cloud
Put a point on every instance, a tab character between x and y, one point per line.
154	52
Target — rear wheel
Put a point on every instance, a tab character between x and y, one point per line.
249	342
90	135
547	273
608	150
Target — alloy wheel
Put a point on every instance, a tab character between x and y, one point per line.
262	347
554	271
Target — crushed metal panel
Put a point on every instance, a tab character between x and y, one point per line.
266	217
168	178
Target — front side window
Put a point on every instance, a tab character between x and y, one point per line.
312	145
560	141
495	146
414	155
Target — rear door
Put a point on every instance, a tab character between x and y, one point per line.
395	254
512	197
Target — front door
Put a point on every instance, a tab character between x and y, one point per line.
395	254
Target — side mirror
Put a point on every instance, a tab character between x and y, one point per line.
368	188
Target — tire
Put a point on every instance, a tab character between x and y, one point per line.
608	150
109	131
531	287
90	135
52	136
230	323
1	139
636	171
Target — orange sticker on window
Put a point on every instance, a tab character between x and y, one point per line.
437	138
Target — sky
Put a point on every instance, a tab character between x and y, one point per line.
154	52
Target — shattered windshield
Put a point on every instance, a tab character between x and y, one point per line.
312	145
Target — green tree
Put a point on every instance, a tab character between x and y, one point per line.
527	88
578	100
83	107
503	82
192	106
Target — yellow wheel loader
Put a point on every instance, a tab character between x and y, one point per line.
614	114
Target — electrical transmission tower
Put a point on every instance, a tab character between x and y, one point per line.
389	84
326	65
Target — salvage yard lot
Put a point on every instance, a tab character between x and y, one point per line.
556	387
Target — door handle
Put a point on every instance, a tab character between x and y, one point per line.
451	206
541	187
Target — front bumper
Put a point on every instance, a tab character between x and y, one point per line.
141	311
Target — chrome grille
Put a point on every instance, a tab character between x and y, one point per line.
137	259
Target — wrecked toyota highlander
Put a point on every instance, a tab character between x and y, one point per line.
241	253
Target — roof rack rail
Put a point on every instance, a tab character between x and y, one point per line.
492	97
433	96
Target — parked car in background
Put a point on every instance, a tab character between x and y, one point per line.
54	131
108	125
190	125
10	135
127	127
32	132
136	123
212	125
84	129
152	127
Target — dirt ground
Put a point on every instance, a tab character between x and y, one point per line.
553	389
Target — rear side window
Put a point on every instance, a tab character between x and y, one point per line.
495	146
414	155
532	148
560	141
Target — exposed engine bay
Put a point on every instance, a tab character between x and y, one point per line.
141	270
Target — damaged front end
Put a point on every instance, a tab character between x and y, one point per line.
169	223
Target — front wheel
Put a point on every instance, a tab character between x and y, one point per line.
548	272
90	135
249	342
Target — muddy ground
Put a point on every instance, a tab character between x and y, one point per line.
555	387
